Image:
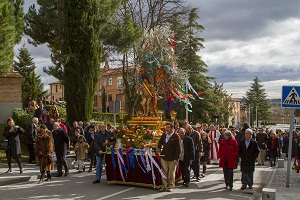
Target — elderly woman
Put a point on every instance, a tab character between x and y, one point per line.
44	148
273	146
228	152
11	132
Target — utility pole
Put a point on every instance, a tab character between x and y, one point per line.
256	119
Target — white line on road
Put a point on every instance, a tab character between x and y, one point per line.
117	193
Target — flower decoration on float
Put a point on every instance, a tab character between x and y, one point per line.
149	134
132	142
120	132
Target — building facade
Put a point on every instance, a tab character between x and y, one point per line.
56	92
10	95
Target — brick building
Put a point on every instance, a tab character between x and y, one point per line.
10	95
56	92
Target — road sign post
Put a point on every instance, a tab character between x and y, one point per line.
290	99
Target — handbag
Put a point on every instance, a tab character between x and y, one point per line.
4	145
295	167
52	157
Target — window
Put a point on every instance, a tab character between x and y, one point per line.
95	100
110	81
105	82
55	88
119	82
109	97
119	97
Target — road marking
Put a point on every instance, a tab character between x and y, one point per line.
117	193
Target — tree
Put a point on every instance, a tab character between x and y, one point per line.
11	30
83	23
256	99
45	25
31	84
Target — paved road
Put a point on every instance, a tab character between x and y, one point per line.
79	186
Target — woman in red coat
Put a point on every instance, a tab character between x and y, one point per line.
228	152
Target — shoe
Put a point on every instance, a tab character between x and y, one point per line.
198	179
58	175
258	164
66	174
231	189
183	183
90	170
48	178
21	171
250	187
226	187
169	190
263	164
202	175
79	171
83	169
186	185
40	181
194	177
9	170
96	181
243	187
162	189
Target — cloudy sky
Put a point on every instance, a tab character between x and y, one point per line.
243	39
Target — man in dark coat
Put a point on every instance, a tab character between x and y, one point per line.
61	144
262	139
248	152
187	156
169	155
195	135
38	112
101	139
31	138
11	132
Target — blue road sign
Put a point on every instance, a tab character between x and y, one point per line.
295	121
290	97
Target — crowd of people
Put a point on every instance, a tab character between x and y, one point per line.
186	147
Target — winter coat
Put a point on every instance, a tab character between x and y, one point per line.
275	152
90	141
262	138
43	148
188	149
61	142
14	145
31	134
232	152
80	148
171	150
248	156
100	139
206	150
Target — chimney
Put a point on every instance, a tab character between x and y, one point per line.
106	66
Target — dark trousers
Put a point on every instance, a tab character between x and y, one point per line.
61	161
185	170
196	165
228	175
31	150
8	157
247	179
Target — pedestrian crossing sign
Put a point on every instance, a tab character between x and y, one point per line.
290	97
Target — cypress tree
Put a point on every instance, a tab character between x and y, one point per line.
11	29
83	21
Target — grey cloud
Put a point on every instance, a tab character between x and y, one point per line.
243	19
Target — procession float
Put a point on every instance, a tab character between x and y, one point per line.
133	160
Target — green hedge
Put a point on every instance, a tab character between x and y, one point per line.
99	116
21	118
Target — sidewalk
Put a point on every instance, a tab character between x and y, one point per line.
278	182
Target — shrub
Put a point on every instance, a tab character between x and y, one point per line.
22	119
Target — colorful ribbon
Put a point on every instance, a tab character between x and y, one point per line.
113	158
